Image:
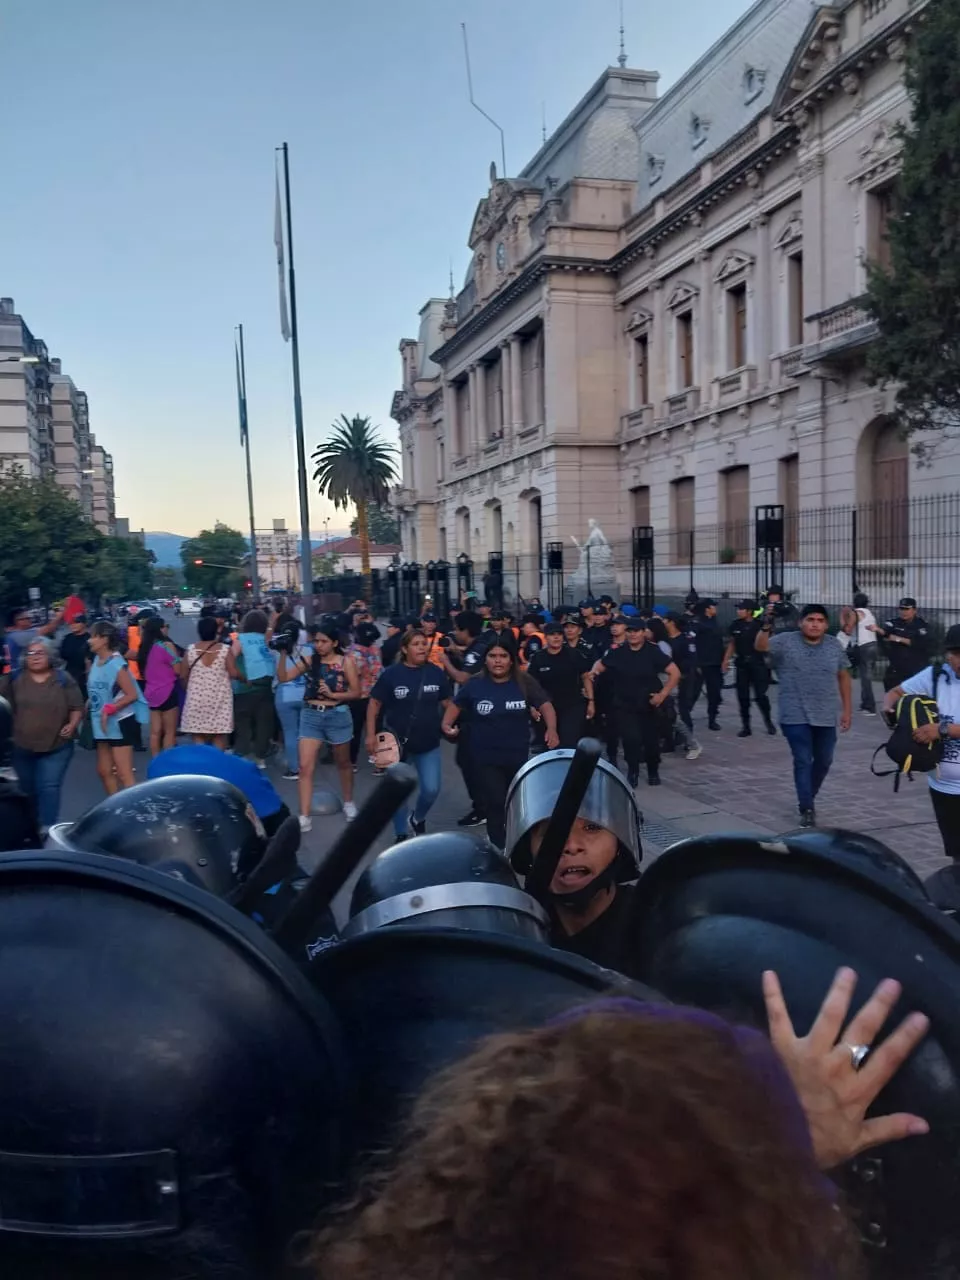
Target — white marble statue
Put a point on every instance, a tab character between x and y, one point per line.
596	570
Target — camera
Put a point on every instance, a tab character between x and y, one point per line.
780	609
284	641
444	642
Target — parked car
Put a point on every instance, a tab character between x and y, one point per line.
189	608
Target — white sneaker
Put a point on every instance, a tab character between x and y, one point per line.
261	764
306	824
695	752
349	810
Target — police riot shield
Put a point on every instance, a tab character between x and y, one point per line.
173	1089
413	1000
714	912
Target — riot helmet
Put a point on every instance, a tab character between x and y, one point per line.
172	1085
198	829
609	802
446	880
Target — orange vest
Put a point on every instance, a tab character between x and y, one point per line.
133	647
435	653
537	635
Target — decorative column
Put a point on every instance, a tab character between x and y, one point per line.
759	318
470	438
706	327
505	383
516	382
480	418
451	428
659	389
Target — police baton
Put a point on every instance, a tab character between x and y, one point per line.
296	927
575	784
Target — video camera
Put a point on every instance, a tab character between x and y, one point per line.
285	640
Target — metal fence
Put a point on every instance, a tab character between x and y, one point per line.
885	549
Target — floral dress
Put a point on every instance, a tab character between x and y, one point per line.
208	707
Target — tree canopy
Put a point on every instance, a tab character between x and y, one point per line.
355	466
224	552
381	525
917	301
45	541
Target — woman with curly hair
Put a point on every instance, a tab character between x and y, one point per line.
633	1142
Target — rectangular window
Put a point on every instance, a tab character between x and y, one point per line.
462	442
441	460
795	300
880	207
640	506
790	497
641	365
737	326
685	370
531	365
735	507
682	511
442	543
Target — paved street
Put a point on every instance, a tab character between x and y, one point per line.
736	785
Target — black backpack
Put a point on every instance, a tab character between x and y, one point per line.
911	712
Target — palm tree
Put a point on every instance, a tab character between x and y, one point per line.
355	466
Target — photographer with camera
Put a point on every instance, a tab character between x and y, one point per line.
331	683
288	698
777	613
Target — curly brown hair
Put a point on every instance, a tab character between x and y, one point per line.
608	1148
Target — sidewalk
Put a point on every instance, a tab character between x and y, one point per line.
746	784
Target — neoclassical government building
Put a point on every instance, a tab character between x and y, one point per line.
660	323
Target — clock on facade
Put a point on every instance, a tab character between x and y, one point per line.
501	256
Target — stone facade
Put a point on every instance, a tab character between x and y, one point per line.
660	322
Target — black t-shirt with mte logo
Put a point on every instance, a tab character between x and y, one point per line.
499	718
411	697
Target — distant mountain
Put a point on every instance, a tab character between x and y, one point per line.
166	547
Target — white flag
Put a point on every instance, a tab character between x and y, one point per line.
281	271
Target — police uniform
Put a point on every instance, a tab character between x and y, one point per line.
752	673
905	660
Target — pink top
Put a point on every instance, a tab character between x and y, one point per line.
160	675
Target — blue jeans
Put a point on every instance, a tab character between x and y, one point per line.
427	765
812	746
41	774
288	713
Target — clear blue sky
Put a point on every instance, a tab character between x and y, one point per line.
136	222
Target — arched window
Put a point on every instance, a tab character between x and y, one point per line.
463	531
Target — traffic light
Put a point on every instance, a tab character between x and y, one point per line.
198	562
248	584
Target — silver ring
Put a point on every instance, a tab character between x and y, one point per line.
858	1053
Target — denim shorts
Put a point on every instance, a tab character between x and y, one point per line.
334	726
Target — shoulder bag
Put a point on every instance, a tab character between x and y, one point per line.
389	749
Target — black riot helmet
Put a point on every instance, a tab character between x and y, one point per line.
198	829
173	1087
444	881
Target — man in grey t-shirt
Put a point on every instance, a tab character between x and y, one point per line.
814	677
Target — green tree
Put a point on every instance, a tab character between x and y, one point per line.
355	466
325	566
45	541
381	525
167	581
917	301
223	553
124	570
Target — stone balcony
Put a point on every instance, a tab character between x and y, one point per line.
787	366
637	423
736	384
682	405
843	332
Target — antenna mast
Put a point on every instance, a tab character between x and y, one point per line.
476	105
623	47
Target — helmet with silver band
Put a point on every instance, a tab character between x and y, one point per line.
608	801
444	881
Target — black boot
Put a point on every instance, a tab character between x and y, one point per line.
633	777
771	728
746	731
712	724
653	776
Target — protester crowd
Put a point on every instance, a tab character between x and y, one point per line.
258	681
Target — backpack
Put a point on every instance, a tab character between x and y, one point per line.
912	711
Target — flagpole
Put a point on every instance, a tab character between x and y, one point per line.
245	432
306	560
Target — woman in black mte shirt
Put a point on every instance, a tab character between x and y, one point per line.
498	703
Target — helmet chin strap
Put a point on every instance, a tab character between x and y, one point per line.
580	899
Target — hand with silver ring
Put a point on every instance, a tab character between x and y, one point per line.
835	1099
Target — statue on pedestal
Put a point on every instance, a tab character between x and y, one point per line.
596	573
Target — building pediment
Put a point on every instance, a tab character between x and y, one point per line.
816	55
682	295
733	264
791	232
637	320
494	209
